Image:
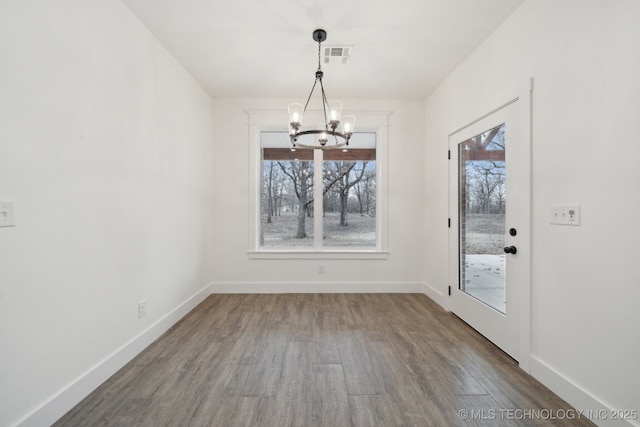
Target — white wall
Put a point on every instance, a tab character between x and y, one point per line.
586	285
105	148
236	272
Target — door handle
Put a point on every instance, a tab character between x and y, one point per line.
510	249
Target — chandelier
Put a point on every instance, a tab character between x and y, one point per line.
337	129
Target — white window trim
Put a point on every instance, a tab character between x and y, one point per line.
272	120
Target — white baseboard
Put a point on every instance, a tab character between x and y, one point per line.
315	287
583	401
59	404
437	296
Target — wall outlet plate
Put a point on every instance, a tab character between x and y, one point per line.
142	308
565	214
7	214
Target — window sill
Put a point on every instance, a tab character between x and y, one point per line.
313	254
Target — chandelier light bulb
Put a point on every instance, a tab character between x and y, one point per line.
348	124
335	110
296	113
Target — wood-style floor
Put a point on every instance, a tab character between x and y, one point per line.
320	360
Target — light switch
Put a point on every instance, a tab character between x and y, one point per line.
7	218
565	214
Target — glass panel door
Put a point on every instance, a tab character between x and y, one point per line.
489	245
481	220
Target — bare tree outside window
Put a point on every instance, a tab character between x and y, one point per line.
287	203
300	176
482	216
350	192
287	195
486	179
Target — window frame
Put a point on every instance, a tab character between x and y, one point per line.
272	121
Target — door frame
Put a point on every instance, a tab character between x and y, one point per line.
523	94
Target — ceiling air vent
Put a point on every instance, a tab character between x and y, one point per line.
337	54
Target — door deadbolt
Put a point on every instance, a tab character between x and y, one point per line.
510	249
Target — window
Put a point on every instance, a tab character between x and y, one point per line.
294	200
315	204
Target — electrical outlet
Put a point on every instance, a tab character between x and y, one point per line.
320	269
142	309
7	216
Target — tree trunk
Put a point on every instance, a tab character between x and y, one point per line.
343	207
270	195
301	233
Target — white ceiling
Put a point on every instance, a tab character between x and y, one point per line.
264	48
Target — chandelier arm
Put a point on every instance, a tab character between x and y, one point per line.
311	93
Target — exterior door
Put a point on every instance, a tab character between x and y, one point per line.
489	176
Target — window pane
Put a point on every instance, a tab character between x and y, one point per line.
349	198
286	218
286	194
482	217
